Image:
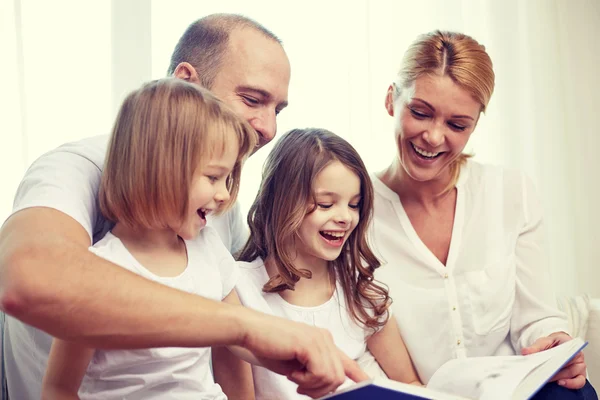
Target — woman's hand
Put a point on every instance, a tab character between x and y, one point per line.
572	375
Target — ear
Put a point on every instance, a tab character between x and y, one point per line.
187	72
389	100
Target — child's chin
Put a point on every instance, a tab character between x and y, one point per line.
331	257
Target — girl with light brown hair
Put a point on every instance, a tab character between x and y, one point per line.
308	259
462	242
174	157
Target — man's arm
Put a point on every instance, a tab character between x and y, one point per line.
50	280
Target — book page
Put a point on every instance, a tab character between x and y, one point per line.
560	356
485	378
498	377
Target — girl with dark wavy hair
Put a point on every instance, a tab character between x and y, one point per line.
308	259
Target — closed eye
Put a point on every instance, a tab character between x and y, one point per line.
457	127
325	206
212	178
251	100
418	114
354	206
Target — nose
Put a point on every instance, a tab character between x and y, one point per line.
265	124
343	216
222	194
435	135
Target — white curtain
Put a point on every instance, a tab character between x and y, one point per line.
67	64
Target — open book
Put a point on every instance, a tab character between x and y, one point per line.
484	378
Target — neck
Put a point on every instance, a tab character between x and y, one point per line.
319	268
147	239
308	292
427	193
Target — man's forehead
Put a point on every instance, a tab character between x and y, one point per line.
248	40
257	62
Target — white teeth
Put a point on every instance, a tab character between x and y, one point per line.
334	233
424	153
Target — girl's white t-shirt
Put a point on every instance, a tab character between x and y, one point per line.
67	179
164	373
331	315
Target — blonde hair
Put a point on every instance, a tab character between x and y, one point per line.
457	56
163	132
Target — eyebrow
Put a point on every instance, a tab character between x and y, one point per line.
263	93
333	194
219	168
433	109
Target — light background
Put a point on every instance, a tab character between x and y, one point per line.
67	65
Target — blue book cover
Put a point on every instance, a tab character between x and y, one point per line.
483	378
385	389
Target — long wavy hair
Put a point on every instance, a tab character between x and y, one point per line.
286	196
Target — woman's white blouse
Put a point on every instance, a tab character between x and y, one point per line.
494	295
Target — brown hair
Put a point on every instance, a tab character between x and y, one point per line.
455	55
163	132
285	195
204	44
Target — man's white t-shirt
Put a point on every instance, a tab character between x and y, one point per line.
331	315
493	296
170	372
67	179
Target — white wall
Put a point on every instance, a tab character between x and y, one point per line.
70	63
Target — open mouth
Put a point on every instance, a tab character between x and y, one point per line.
424	154
335	238
202	213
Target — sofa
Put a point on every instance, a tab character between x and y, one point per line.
583	313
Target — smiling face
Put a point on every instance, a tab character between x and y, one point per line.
208	191
253	80
324	231
434	119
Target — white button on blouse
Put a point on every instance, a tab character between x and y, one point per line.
493	296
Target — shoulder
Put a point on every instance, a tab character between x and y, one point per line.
110	248
209	242
72	166
254	271
492	179
226	218
66	179
92	149
498	188
229	226
380	189
253	277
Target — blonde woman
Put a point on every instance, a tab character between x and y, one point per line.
462	242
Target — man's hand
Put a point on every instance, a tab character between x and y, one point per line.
572	375
305	354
